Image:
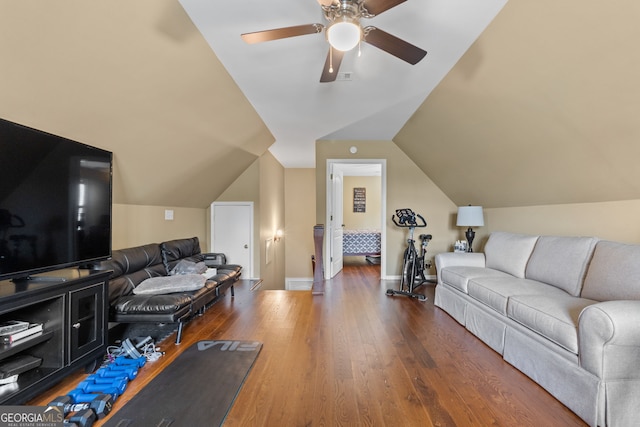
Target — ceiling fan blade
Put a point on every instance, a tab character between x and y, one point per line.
393	45
325	2
376	7
281	33
334	57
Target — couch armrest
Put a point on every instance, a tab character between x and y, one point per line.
467	259
451	259
213	259
609	339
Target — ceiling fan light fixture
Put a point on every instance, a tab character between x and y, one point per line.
344	34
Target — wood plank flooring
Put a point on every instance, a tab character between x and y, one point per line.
356	357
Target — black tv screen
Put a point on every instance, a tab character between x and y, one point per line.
55	202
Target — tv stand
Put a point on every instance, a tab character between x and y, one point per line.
71	305
49	279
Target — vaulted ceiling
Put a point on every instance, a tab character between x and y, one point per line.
281	78
541	109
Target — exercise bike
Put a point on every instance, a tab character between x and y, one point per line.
414	264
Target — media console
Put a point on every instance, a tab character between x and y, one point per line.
71	304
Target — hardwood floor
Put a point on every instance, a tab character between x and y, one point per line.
356	357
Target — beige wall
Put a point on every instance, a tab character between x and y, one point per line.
272	214
135	225
370	219
407	186
616	221
165	106
289	199
300	204
263	184
245	189
541	110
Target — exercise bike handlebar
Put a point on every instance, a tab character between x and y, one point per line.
407	218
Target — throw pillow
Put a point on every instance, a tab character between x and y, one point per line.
188	267
170	284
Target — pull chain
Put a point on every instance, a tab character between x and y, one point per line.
330	59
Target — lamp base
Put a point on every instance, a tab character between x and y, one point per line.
470	235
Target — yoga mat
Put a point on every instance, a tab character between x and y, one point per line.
196	389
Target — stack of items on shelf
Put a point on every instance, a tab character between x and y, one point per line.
15	330
12	332
93	398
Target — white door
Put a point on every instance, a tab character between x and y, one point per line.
336	222
232	233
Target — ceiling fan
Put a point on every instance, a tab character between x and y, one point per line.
344	32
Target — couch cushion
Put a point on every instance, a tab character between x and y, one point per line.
170	305
495	291
129	260
553	317
130	267
170	284
561	261
175	250
124	285
458	276
614	272
509	252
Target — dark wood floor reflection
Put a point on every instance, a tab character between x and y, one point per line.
356	357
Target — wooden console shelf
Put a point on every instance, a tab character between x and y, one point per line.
71	304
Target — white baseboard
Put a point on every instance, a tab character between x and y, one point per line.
398	277
298	283
306	283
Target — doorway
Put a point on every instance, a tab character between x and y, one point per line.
337	171
232	233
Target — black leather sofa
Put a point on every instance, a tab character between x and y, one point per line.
132	266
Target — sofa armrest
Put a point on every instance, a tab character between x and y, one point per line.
609	339
467	259
453	259
214	259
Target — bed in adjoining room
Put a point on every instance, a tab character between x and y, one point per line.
362	243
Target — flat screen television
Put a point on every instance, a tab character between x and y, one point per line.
55	202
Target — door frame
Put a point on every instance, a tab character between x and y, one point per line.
336	234
383	209
249	271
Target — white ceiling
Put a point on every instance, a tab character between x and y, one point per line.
281	78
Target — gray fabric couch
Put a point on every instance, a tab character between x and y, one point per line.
563	310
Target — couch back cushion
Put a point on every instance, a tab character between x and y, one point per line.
175	250
561	261
130	267
509	252
614	272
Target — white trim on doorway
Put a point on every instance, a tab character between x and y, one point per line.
358	167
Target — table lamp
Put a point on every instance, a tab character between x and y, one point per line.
470	216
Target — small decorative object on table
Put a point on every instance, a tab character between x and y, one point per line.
460	246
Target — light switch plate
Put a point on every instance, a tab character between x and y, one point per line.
168	214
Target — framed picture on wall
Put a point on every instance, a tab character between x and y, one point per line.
359	199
